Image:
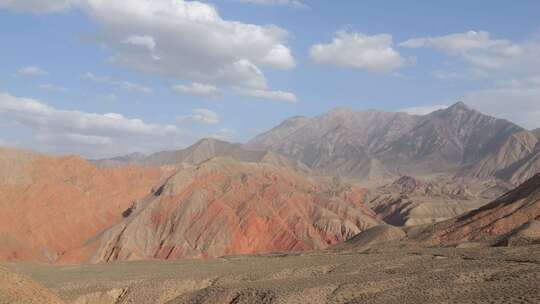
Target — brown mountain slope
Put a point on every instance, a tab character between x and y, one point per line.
449	138
511	218
340	142
522	170
516	147
52	204
409	201
382	146
226	207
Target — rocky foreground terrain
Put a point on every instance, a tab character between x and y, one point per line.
380	275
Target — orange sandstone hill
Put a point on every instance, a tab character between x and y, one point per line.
227	207
50	205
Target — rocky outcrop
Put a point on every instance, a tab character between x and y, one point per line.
225	207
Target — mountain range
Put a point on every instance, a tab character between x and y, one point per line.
378	146
309	183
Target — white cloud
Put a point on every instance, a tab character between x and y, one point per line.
266	94
31	71
226	134
185	40
292	3
37	6
126	85
197	89
200	115
423	110
480	50
144	41
52	88
356	50
74	131
191	41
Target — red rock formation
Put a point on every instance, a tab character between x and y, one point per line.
54	204
225	207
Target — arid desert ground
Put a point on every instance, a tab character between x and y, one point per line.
385	274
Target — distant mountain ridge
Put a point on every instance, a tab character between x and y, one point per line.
381	146
202	150
377	147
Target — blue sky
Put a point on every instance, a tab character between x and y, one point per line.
101	78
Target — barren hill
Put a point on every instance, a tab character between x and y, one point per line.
52	204
409	201
514	218
225	207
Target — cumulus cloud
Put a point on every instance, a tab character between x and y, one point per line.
31	71
197	89
73	131
292	3
126	85
189	40
423	110
266	94
52	88
184	40
200	115
357	50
